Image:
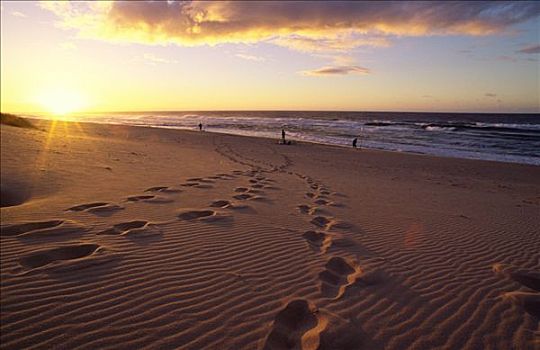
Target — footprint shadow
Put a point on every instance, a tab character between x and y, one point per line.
338	274
293	326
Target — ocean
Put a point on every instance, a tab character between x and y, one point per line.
497	137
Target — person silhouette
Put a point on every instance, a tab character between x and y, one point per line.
354	142
283	135
200	126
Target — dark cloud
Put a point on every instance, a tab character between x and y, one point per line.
338	70
530	49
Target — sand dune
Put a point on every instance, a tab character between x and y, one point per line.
146	238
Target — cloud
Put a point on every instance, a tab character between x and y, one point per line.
337	70
530	49
338	43
314	26
18	14
505	58
490	95
250	57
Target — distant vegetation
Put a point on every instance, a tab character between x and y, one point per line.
13	120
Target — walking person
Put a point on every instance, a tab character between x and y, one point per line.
283	136
200	126
354	142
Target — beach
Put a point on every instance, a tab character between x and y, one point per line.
129	237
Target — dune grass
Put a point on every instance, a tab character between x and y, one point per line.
13	120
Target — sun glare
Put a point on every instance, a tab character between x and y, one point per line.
61	102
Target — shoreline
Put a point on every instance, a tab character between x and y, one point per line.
297	141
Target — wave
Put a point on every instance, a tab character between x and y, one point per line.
461	126
514	128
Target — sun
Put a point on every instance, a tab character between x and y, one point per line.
60	102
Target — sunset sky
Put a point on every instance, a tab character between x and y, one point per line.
393	56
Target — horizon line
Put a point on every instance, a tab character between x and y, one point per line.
266	110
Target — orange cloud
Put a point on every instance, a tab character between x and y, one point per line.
313	26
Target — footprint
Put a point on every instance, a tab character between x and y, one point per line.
339	225
195	214
83	207
243	196
337	276
319	240
220	204
257	186
163	189
310	195
171	190
136	228
46	257
98	208
322	201
243	208
207	181
203	186
304	209
320	221
17	229
156	189
240	189
295	327
194	179
159	200
105	210
253	181
189	184
125	226
139	198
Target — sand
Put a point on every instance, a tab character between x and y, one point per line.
123	238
